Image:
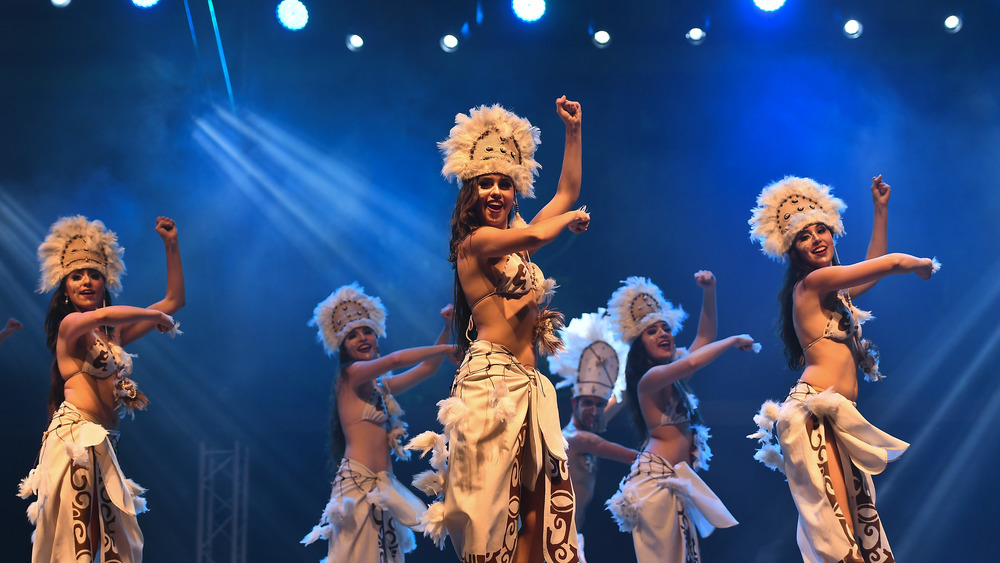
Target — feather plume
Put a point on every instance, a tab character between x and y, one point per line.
430	482
548	322
78	454
639	303
786	207
29	485
701	453
32	513
770	456
347	307
432	524
492	140
74	243
624	507
581	337
453	414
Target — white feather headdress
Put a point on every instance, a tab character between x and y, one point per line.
492	140
638	304
347	307
74	243
786	207
593	360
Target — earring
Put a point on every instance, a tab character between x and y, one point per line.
66	298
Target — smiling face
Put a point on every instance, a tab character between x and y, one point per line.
85	289
587	411
495	199
814	245
361	344
658	341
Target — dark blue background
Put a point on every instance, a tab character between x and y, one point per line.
323	170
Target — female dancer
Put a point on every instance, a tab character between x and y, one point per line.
370	511
828	451
86	508
506	489
663	500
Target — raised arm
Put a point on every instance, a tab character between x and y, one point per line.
417	374
661	376
879	243
708	321
568	189
174	299
12	326
834	278
75	325
490	242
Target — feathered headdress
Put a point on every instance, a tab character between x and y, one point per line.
638	304
593	361
344	309
492	140
786	207
74	243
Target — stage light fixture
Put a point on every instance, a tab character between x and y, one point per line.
292	14
449	43
354	42
695	36
600	38
61	3
144	3
953	23
528	10
853	28
769	5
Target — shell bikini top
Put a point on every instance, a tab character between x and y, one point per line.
843	324
676	411
105	359
519	277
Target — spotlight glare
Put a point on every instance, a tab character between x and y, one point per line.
953	23
61	3
292	14
528	10
769	5
354	42
696	36
141	3
601	38
449	43
853	29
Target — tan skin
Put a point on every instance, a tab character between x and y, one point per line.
85	289
655	389
831	364
480	258
367	442
588	411
78	330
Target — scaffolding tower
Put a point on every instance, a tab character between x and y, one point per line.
222	504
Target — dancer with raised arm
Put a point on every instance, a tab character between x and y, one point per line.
662	501
86	508
826	449
370	513
503	480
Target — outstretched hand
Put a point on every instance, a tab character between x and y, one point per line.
13	325
570	112
167	229
580	222
704	278
880	192
744	342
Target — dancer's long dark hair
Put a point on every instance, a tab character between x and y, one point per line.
796	270
59	307
464	219
637	364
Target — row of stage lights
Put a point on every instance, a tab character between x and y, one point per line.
293	15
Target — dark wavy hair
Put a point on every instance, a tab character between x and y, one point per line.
797	269
637	364
464	220
59	307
